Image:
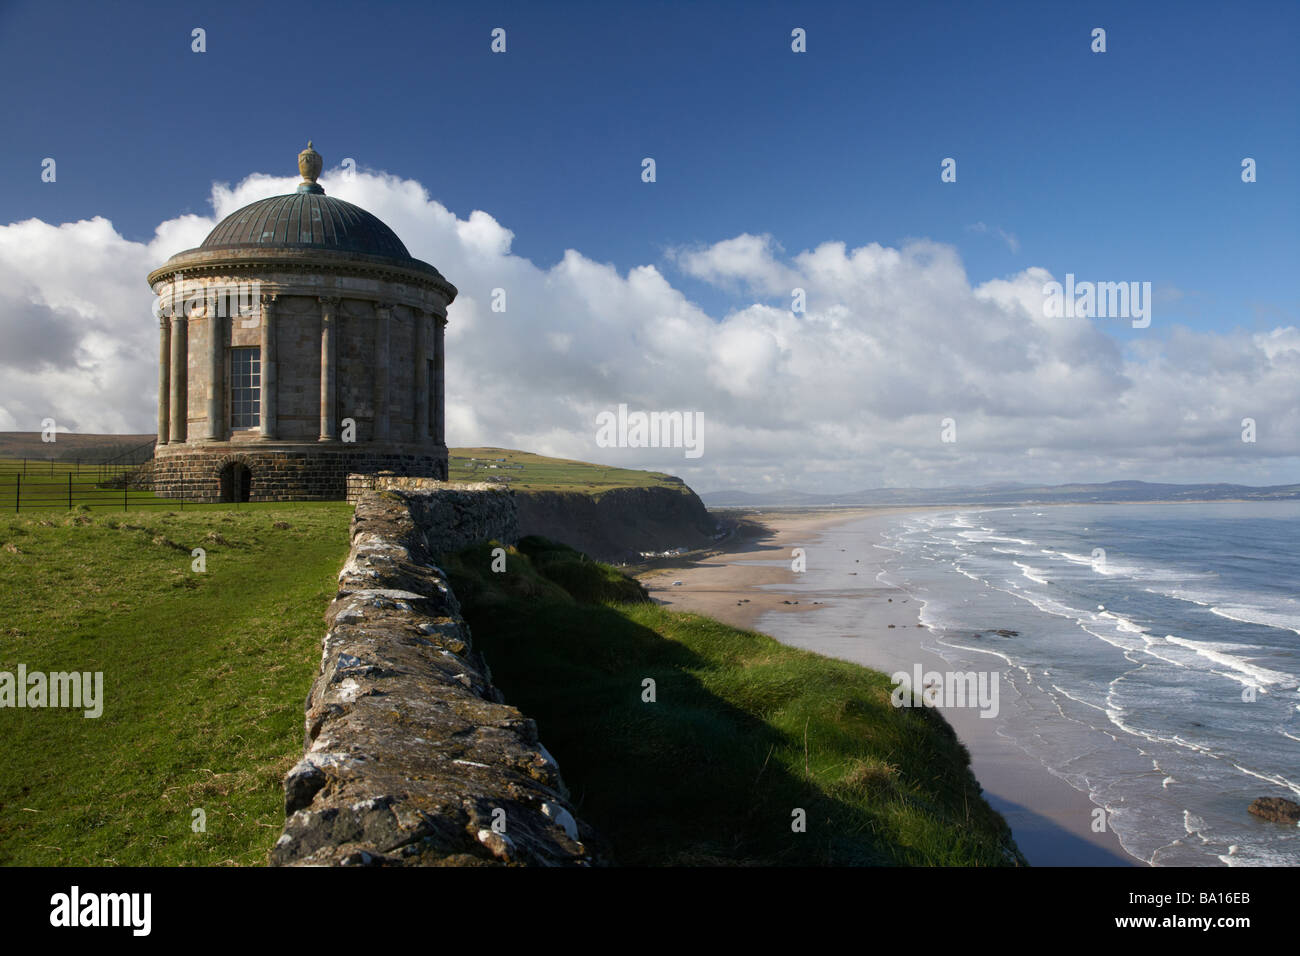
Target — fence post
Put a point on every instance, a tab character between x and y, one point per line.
125	484
18	490
69	491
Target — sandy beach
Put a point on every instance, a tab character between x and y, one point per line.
753	583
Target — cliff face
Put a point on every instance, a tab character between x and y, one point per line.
616	525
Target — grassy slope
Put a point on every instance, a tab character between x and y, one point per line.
554	474
204	677
711	771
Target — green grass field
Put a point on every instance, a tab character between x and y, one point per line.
205	674
31	485
539	473
204	678
742	732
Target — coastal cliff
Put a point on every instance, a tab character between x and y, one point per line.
618	524
413	758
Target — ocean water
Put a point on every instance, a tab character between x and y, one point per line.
1157	659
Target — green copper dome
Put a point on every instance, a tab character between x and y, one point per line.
305	230
306	221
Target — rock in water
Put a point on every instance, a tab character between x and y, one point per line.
1276	810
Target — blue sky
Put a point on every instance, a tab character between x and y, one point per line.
1116	166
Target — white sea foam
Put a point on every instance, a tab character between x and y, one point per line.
1032	573
1157	698
1123	623
1203	598
1078	700
983	537
1111	567
1257	615
1242	670
1270	778
1076	558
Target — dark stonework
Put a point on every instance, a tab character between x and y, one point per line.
312	474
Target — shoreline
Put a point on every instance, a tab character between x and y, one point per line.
752	578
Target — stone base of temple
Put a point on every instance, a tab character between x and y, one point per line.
239	472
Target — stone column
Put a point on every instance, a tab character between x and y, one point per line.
266	420
164	376
439	382
179	410
216	392
421	377
328	388
383	317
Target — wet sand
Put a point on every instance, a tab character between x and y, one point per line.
1051	820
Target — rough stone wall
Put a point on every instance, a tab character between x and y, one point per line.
411	757
453	515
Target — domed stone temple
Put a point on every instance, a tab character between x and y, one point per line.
299	343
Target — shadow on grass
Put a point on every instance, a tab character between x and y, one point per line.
650	774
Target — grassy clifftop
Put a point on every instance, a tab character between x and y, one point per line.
612	513
743	731
525	471
204	673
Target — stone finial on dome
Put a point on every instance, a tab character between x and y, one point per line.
309	165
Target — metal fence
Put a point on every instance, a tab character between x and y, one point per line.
40	492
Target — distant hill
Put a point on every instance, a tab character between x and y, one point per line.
69	445
1007	494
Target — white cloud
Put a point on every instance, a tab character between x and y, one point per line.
743	262
847	395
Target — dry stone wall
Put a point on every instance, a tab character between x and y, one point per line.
411	756
452	515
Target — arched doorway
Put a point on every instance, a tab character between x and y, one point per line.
236	482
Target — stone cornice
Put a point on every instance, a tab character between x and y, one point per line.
259	261
311	446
